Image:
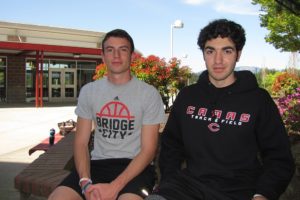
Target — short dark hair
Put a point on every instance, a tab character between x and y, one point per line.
223	28
120	34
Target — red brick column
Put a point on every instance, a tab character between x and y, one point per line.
16	91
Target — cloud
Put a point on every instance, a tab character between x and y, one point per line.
195	2
240	7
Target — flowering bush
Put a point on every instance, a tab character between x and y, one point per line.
285	84
168	78
100	71
289	108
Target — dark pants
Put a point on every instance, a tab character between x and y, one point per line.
183	186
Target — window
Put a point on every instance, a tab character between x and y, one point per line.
31	77
85	73
3	79
63	64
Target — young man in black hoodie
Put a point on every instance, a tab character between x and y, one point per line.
227	130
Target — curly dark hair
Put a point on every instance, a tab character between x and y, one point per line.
223	28
119	33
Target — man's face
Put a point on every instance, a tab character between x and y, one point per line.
117	55
220	56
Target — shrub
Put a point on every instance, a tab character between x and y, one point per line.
167	77
285	84
289	108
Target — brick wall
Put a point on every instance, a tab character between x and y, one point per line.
16	79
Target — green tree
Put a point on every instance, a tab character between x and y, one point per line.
194	77
283	24
267	79
291	5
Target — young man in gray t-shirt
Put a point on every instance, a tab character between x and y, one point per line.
126	113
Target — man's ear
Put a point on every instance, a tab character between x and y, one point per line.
103	60
238	55
203	55
132	57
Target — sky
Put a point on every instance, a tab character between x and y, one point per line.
149	23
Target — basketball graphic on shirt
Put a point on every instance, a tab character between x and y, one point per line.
115	109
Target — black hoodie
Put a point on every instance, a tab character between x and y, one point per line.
220	132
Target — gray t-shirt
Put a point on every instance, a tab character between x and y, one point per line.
119	111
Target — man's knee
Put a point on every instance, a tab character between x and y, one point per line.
154	197
63	192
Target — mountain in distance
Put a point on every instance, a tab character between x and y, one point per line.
253	69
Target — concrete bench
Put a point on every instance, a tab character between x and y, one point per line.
46	172
44	145
43	175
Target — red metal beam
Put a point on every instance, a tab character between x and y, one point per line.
97	60
25	52
37	79
49	48
41	78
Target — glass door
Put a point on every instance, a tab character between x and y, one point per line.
62	85
69	80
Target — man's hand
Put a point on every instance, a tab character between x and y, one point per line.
92	193
259	197
103	191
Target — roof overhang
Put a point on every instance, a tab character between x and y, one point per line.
49	50
24	39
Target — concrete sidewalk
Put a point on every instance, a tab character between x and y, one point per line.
20	129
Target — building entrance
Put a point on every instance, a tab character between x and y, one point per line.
62	85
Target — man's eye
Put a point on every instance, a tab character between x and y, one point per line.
124	49
208	51
228	51
109	50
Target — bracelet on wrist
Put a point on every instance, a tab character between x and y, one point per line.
84	183
84	179
85	187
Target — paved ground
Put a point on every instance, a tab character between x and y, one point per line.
22	127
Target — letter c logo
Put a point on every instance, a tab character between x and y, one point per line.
213	127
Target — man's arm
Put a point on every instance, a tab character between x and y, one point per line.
149	140
81	151
171	148
275	152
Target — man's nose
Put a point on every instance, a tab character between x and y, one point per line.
116	53
218	57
